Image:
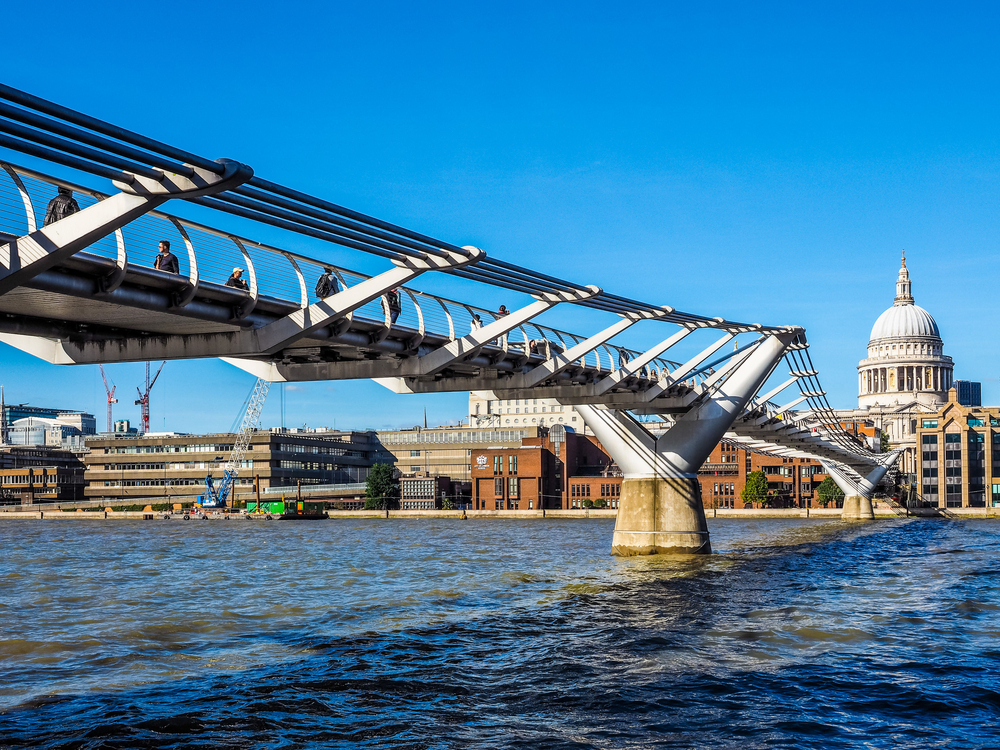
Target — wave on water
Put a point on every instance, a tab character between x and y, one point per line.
798	634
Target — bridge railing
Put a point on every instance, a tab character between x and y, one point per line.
208	256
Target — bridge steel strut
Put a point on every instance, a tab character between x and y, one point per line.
858	490
660	510
24	258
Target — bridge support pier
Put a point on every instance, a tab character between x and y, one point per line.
858	508
660	510
858	490
661	517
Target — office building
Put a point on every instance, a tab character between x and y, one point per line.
171	466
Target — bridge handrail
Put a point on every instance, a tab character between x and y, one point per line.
61	135
290	256
64	136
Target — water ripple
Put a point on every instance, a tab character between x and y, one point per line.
497	634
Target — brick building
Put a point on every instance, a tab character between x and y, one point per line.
538	473
724	475
447	451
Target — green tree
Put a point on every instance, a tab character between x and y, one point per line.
829	492
447	504
381	487
884	441
755	490
588	503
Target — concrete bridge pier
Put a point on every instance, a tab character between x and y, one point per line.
858	490
660	510
858	508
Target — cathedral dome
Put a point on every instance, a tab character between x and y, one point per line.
904	322
906	364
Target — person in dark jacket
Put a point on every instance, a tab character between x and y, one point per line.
60	207
327	284
166	260
236	280
503	311
394	305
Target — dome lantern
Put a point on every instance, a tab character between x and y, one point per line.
904	292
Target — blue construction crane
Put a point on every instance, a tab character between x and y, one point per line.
216	497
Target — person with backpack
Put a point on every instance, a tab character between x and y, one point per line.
63	205
327	284
394	305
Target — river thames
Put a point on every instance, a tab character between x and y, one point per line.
498	634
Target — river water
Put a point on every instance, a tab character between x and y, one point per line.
439	633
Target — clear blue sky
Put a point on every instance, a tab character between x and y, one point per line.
764	161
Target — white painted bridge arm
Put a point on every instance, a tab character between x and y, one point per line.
299	324
774	392
560	362
38	251
687	368
631	368
467	346
848	486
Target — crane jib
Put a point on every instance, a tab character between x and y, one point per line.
216	497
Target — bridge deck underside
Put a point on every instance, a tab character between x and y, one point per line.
66	303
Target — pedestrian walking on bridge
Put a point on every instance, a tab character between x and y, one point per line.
327	284
166	260
60	207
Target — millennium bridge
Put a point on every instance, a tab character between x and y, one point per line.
85	289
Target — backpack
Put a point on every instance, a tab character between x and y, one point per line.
323	286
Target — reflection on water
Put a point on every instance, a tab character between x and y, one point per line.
492	633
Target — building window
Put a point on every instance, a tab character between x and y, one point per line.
498	464
498	486
929	439
976	422
414	469
512	487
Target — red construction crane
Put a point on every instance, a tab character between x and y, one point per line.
144	397
111	397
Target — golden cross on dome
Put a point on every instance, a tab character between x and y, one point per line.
904	258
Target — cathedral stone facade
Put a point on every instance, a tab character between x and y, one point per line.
905	376
905	362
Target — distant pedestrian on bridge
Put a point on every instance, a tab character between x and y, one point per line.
476	323
166	260
503	311
60	207
327	284
236	280
395	306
